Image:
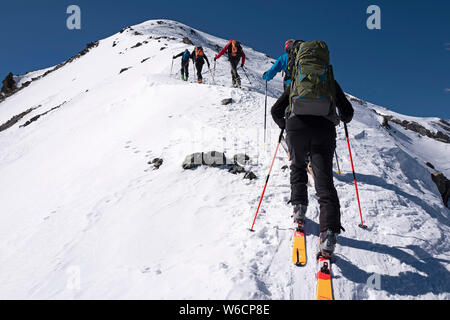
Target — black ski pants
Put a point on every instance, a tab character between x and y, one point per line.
234	74
185	68
316	137
199	66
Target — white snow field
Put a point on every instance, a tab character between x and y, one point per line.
84	216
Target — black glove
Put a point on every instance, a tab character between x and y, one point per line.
346	117
242	66
215	58
173	57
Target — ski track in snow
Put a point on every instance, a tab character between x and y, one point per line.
84	216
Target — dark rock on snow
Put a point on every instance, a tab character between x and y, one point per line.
157	162
9	85
227	101
235	169
443	185
250	176
241	159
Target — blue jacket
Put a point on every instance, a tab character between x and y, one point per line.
279	65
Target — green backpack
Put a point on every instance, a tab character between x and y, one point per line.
313	90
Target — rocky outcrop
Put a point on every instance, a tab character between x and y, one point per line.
186	40
88	48
227	101
36	117
416	127
443	185
8	124
8	84
219	160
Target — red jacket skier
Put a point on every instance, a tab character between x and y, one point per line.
235	53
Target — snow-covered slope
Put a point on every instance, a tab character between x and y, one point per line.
83	214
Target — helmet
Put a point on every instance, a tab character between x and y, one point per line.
287	43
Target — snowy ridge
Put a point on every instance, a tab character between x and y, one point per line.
79	201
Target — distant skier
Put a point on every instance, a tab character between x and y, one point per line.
198	57
235	53
185	55
281	65
307	110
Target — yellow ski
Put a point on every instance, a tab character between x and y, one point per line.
324	287
299	248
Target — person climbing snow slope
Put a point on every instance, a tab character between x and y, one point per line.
198	57
235	53
307	111
185	55
281	65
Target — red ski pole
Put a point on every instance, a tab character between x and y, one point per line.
354	177
267	179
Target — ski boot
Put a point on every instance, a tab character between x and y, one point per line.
299	215
187	78
182	77
200	81
327	243
238	82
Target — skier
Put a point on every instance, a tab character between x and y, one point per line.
198	59
185	55
308	132
234	51
281	65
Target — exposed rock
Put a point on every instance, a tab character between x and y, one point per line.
89	47
9	85
8	124
285	167
241	159
186	40
162	48
157	162
137	45
416	127
124	69
250	176
235	169
227	101
35	118
193	160
386	122
145	60
443	185
428	164
214	159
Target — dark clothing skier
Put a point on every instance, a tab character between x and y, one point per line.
316	136
235	53
198	59
184	64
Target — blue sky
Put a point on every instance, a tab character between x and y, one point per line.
405	66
